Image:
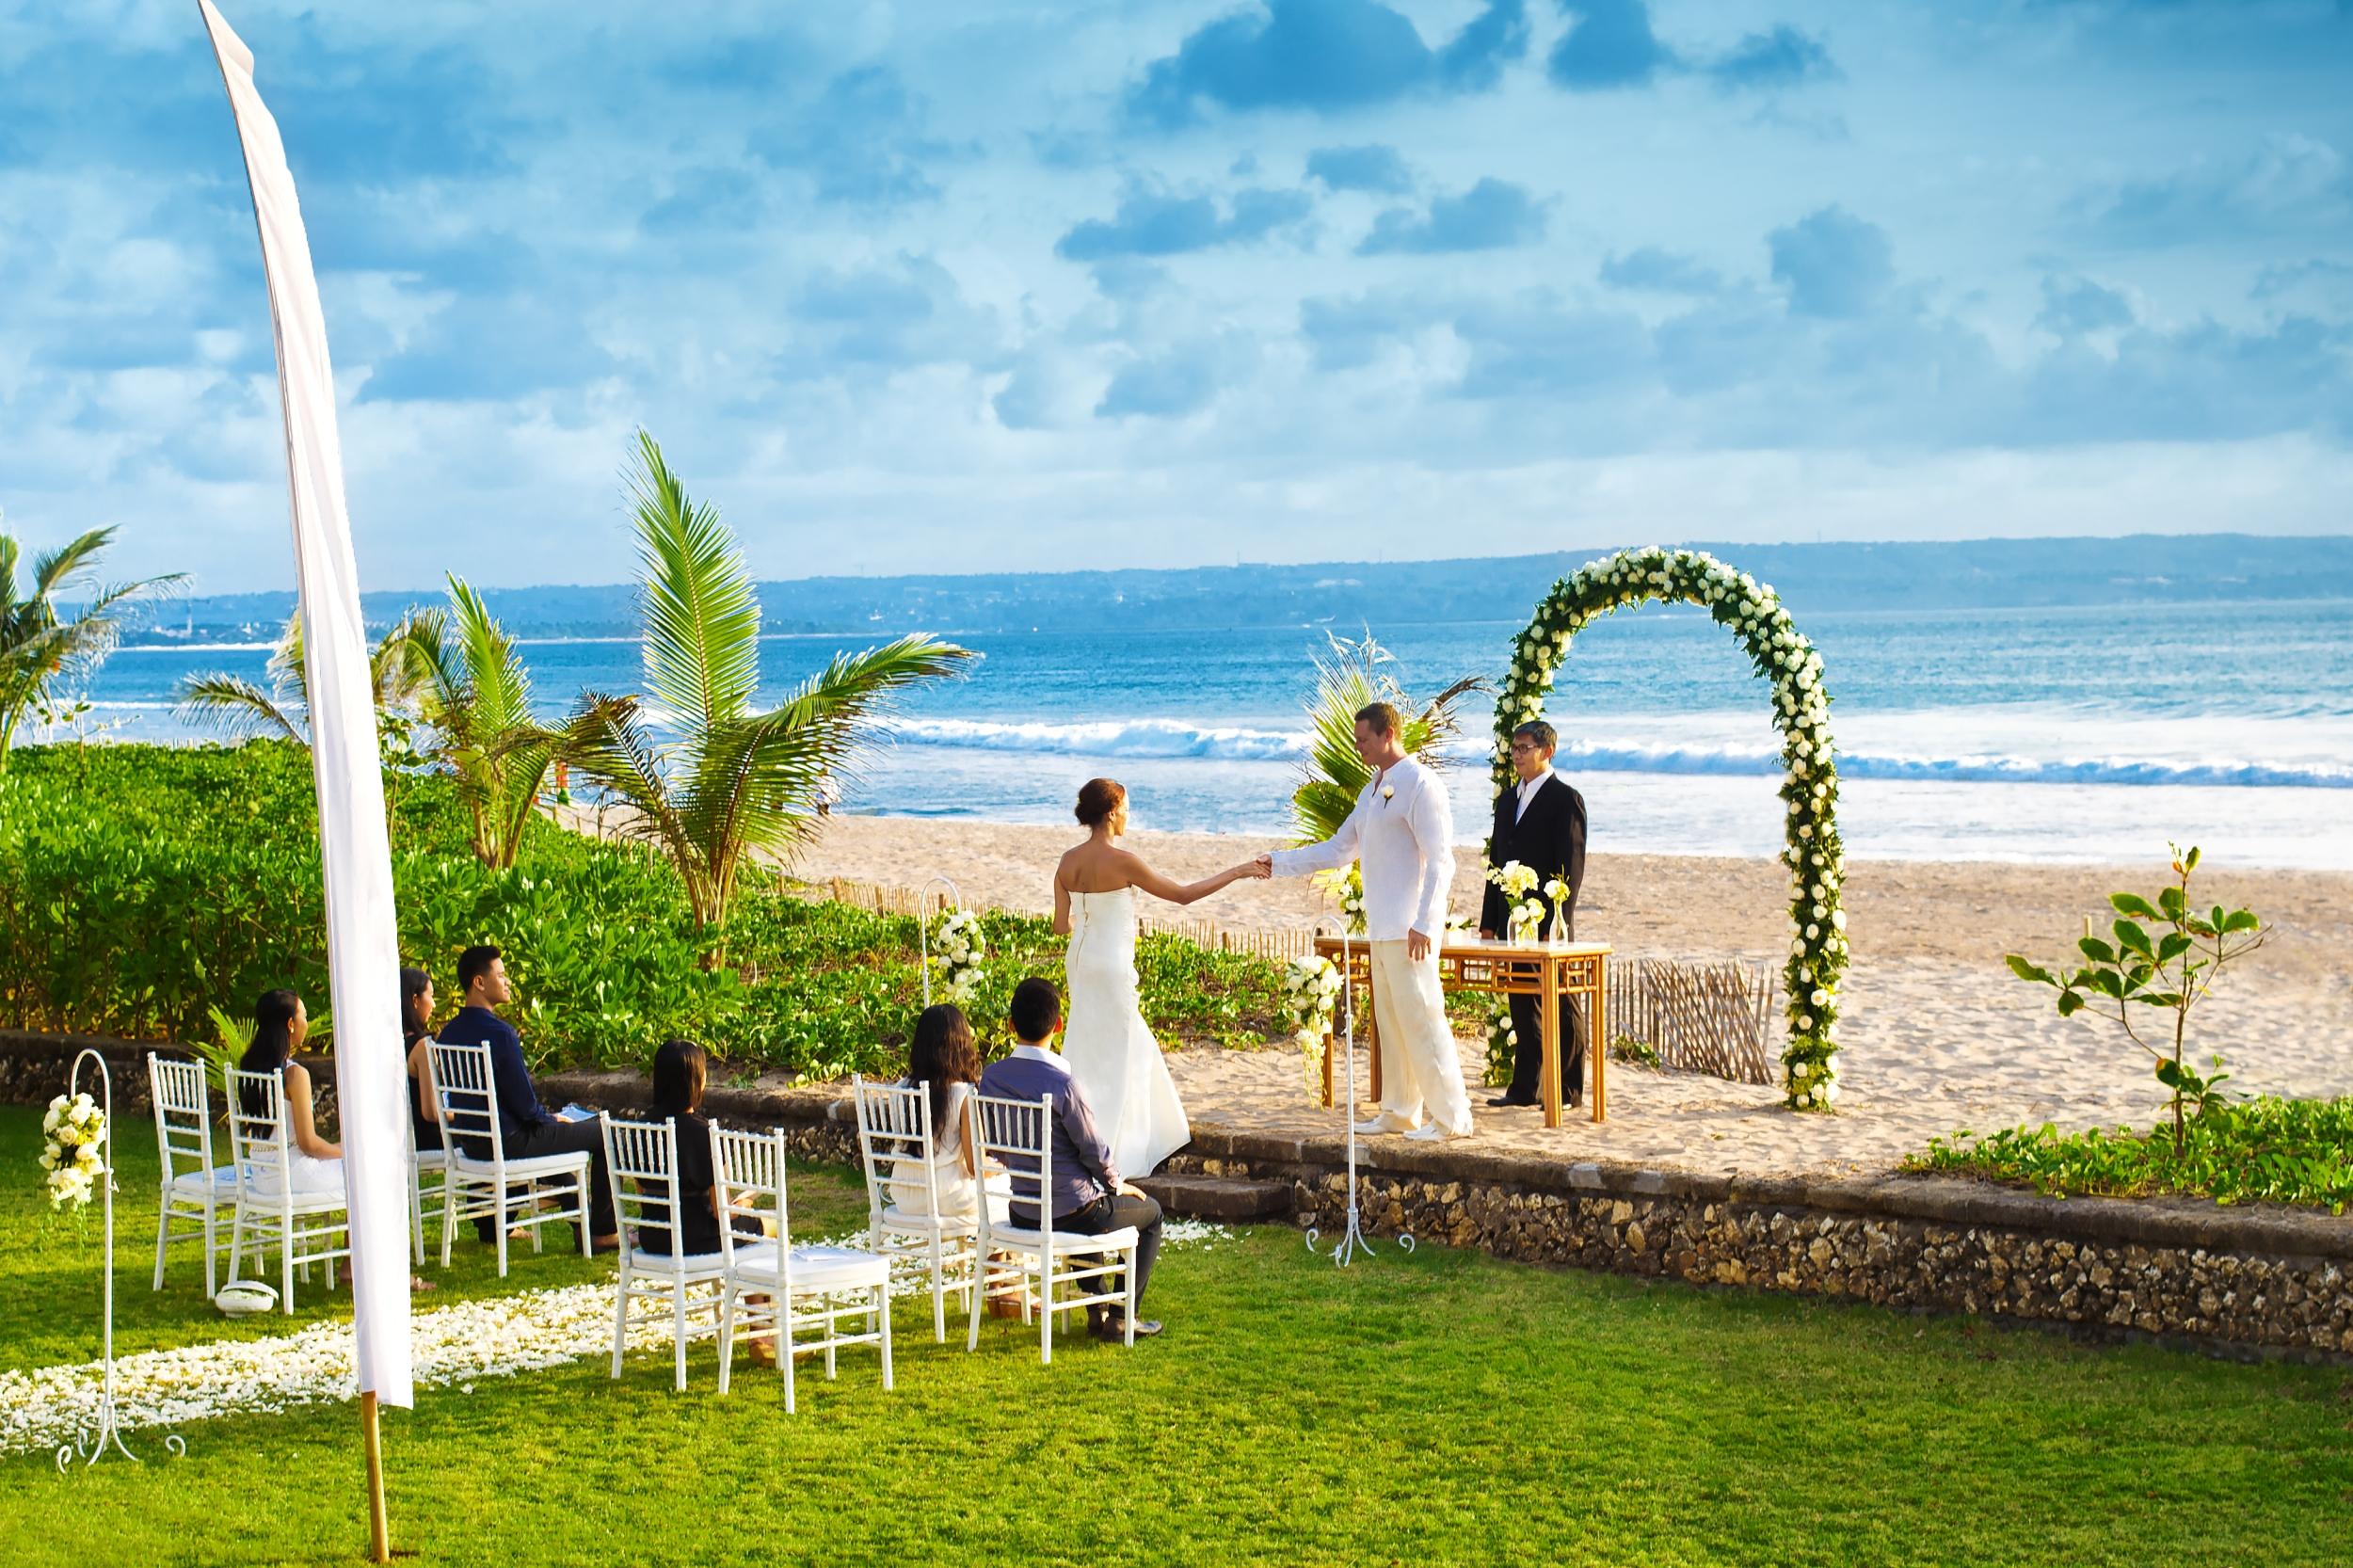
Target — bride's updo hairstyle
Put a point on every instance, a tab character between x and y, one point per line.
1098	799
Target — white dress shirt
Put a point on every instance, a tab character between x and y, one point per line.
1528	792
1405	839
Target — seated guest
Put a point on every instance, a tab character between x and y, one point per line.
416	1033
1088	1195
942	1059
525	1128
280	1024
680	1070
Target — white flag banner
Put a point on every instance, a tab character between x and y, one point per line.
362	944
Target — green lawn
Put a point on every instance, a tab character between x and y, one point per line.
1436	1408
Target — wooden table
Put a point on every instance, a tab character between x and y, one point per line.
1502	968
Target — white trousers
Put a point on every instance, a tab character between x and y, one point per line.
1420	1070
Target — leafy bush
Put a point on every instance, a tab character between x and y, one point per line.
2265	1149
141	887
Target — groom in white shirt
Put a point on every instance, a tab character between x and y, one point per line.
1402	830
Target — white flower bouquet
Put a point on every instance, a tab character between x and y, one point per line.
1503	1042
73	1133
1311	989
961	949
1346	889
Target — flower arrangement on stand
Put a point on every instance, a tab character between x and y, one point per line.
1557	892
1346	889
961	949
1518	883
1311	989
1753	611
75	1134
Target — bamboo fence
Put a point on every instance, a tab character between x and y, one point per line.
1702	1018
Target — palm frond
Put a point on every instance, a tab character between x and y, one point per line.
231	705
54	569
701	618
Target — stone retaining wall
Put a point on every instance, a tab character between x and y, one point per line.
2257	1280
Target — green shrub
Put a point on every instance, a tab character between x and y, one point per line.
2256	1150
140	886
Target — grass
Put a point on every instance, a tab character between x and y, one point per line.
2255	1150
1439	1407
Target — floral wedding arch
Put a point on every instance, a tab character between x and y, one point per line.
1817	945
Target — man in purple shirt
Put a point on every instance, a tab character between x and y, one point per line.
1088	1195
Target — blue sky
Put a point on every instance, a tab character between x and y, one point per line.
1043	285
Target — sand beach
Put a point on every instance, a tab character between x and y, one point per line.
1937	1036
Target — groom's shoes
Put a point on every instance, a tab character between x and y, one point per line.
1436	1132
1386	1122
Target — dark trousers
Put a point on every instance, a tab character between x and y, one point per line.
560	1137
1117	1212
1528	1057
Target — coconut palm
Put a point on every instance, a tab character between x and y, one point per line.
474	696
720	778
37	644
241	709
1353	677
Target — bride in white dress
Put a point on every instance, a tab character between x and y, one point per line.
1105	1043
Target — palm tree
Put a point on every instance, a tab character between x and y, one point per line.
730	779
1354	676
35	644
241	709
476	698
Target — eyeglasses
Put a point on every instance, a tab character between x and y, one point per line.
1525	748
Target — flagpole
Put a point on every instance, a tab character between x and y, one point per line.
379	1528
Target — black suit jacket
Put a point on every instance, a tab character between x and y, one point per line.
1548	838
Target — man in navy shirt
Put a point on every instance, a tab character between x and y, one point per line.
525	1128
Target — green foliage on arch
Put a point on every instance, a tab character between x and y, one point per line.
1752	611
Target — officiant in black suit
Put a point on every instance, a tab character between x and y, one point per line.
1540	822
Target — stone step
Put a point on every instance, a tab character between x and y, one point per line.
1208	1198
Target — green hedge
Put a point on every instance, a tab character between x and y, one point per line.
141	885
2256	1150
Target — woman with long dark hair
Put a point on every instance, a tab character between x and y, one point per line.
416	1036
280	1024
944	1060
680	1070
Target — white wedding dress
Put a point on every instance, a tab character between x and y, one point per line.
1108	1046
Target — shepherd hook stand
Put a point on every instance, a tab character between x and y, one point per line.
923	928
108	1433
1353	1238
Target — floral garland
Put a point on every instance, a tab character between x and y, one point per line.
1311	988
1503	1042
1817	947
961	950
73	1133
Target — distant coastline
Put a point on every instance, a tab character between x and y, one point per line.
2174	569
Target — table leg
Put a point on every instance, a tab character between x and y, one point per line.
1372	1043
1548	1024
1596	1026
1327	1072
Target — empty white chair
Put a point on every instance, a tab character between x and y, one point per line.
834	1283
276	1207
194	1189
641	1162
1021	1134
895	1141
487	1184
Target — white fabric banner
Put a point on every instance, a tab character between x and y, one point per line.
362	944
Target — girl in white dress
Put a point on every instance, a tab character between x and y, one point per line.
1105	1043
280	1024
944	1060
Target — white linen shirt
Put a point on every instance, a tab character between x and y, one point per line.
1407	842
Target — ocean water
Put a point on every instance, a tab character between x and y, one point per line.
2047	735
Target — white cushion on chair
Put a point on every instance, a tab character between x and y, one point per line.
431	1160
695	1265
220	1182
901	1219
818	1268
1066	1240
537	1165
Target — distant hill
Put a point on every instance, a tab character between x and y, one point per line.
1963	574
